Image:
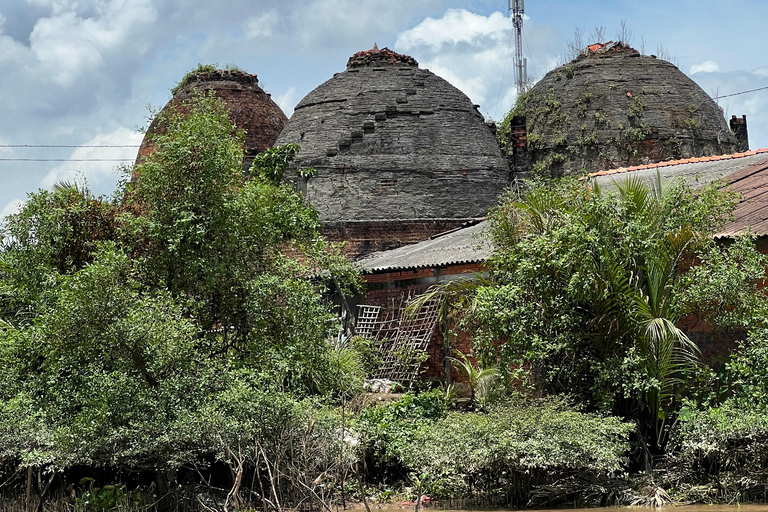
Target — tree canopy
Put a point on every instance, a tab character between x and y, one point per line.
131	325
589	289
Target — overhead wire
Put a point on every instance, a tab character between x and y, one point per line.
74	146
67	159
64	146
740	93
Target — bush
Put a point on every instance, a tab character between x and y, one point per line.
499	456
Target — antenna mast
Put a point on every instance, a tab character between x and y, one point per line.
517	7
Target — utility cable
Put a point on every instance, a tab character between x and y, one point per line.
53	146
67	159
740	93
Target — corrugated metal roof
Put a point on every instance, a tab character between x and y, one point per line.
671	163
466	245
752	209
695	171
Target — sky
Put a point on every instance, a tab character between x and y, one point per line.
87	72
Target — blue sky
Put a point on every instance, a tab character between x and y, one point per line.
82	72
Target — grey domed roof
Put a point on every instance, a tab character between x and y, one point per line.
613	107
392	141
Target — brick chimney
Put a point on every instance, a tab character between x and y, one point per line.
739	129
517	149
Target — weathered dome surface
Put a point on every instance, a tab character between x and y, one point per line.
613	107
250	108
392	141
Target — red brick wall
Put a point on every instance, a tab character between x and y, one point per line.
250	109
386	289
365	237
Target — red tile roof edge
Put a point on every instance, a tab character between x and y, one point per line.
669	163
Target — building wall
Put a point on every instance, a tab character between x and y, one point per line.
388	289
365	237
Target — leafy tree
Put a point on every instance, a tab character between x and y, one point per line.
589	290
133	327
55	233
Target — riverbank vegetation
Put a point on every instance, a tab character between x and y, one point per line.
172	348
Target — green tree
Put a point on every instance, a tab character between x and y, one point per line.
589	289
133	326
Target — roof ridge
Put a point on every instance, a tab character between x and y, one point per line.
670	163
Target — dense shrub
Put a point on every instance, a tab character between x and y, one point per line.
500	456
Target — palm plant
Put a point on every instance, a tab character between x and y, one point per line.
477	378
455	299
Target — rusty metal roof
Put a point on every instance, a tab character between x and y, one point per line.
752	209
694	172
673	163
466	245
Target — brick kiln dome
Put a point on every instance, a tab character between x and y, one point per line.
392	141
250	108
613	107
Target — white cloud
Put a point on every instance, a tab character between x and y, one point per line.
708	66
11	208
762	72
355	24
67	45
288	100
101	176
472	51
456	26
473	86
262	26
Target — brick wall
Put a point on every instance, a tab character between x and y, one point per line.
387	289
250	109
365	237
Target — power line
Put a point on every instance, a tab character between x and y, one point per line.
62	146
742	92
67	159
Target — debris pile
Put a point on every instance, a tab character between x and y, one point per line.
376	57
611	47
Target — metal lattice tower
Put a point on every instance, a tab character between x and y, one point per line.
517	8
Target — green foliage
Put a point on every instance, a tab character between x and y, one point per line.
270	165
109	497
478	379
386	430
599	119
187	78
636	107
500	455
724	445
692	124
569	72
732	437
170	326
534	141
588	289
367	352
587	140
55	233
